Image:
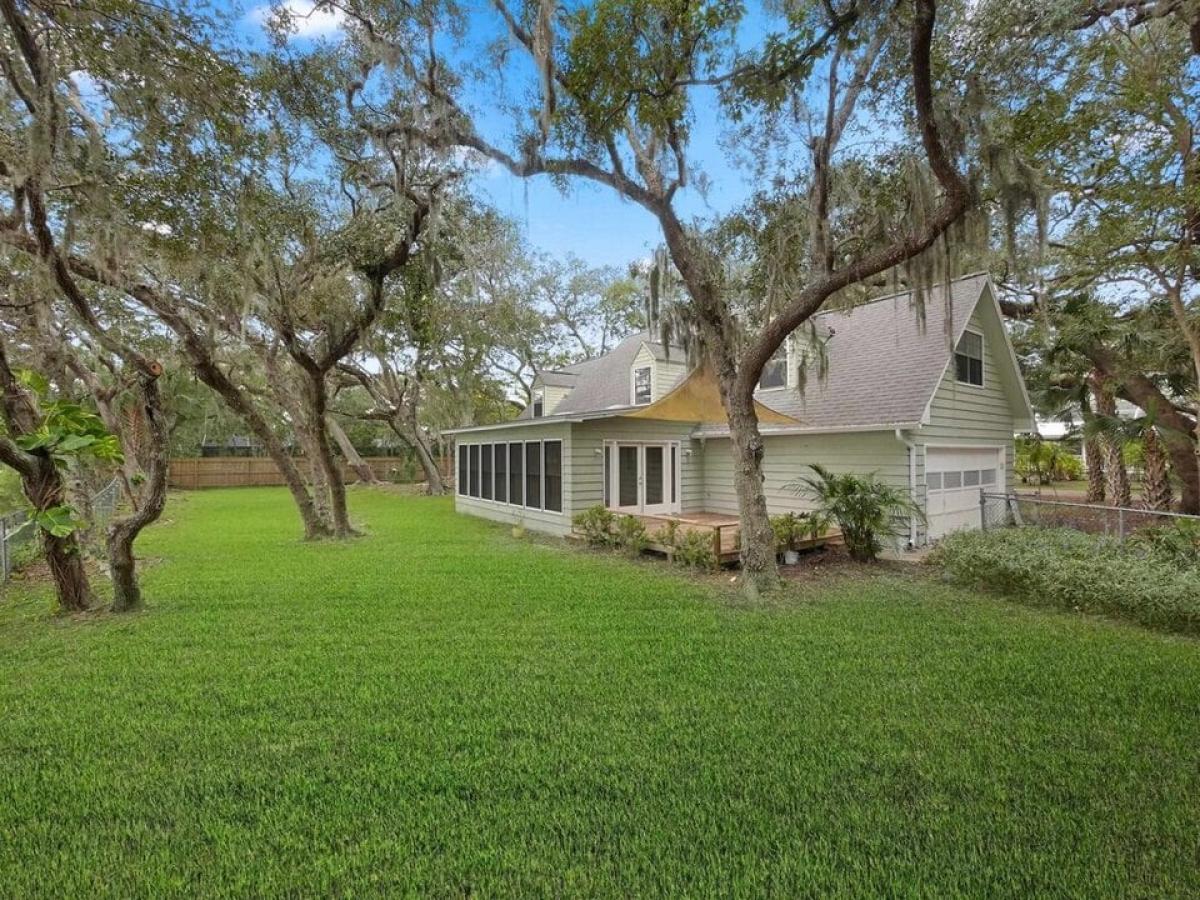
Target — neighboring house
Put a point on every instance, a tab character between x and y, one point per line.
930	406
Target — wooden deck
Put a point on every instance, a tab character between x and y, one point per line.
725	532
725	536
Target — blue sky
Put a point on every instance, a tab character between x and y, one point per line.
589	221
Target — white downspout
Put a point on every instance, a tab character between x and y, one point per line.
912	485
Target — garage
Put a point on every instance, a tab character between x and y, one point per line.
953	479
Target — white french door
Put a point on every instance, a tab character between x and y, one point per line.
643	477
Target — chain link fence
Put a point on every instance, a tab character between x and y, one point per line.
1002	510
18	536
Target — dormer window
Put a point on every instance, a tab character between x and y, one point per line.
774	373
539	404
642	384
968	359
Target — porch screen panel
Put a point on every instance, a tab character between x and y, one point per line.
474	473
533	474
552	472
627	476
501	473
462	469
485	472
654	475
516	476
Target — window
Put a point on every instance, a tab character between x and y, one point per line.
501	472
933	481
516	478
462	470
552	472
485	470
968	359
987	476
474	473
539	404
971	478
642	377
774	373
952	480
533	474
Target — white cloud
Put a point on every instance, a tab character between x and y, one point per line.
301	18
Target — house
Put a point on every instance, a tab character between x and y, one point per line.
928	404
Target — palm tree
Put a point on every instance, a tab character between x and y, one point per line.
1111	441
864	507
1156	479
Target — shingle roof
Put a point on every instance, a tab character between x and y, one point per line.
603	383
884	363
558	378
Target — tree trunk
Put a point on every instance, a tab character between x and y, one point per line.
316	475
1094	459
410	432
66	568
760	574
45	489
1176	431
1116	477
366	475
207	370
434	485
124	530
339	516
1156	486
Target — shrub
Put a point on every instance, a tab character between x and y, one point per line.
667	535
596	524
1066	568
864	508
631	535
1042	462
694	550
1177	543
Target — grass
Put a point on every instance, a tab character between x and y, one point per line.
440	709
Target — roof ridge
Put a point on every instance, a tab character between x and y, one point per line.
832	312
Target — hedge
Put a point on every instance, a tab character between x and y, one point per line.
1069	569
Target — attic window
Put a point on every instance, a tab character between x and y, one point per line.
968	359
539	404
641	384
774	373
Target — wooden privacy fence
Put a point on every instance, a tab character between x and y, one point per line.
261	471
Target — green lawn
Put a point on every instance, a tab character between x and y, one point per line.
439	709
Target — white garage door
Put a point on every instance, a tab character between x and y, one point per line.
953	478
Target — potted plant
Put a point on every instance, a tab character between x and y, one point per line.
786	528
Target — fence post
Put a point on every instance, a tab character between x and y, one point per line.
982	510
3	548
1121	523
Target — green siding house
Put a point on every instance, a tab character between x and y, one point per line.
928	400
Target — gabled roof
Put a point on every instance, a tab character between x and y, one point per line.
884	362
602	383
